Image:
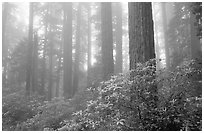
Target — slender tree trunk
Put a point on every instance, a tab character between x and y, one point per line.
4	45
164	20
119	57
89	46
67	60
77	53
29	55
35	64
58	72
141	35
50	85
43	76
107	40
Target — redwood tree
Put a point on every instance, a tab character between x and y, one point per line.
67	50
107	39
141	35
77	51
29	51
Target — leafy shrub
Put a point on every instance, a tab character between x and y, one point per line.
17	108
138	100
50	116
141	99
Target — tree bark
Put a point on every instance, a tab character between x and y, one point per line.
141	35
67	60
141	41
107	40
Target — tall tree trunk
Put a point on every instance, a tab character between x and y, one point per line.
35	64
164	20
58	72
141	35
141	41
107	40
4	45
118	31
89	46
77	52
43	76
67	60
29	55
50	85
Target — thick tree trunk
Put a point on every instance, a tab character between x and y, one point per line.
118	31
141	35
164	20
77	53
29	54
67	60
107	40
141	41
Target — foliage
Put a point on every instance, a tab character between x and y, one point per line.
131	101
36	114
49	116
54	114
17	108
141	99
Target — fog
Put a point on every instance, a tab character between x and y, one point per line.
58	56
